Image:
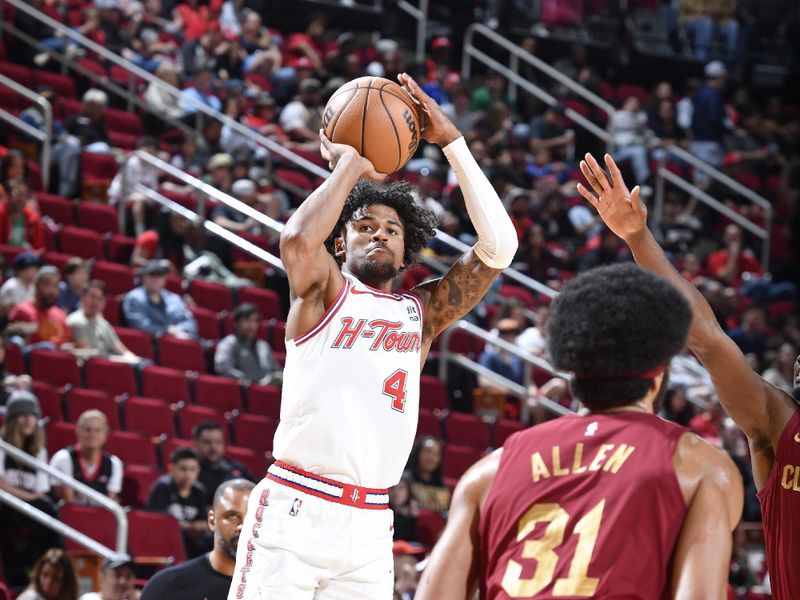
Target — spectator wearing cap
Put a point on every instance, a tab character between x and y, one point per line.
162	101
244	357
220	167
20	222
29	540
21	287
407	557
709	120
117	581
201	92
92	334
153	309
88	461
301	118
75	277
41	321
135	171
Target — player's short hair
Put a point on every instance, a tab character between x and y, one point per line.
204	426
237	485
419	223
184	453
613	327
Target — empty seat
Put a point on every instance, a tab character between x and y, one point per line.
97	171
62	85
212	296
120	248
118	278
15	362
22	75
267	301
428	424
124	122
59	434
81	242
54	367
79	400
222	393
166	546
150	416
255	462
208	325
466	430
432	393
136	483
277	336
503	429
166	384
138	342
56	207
95	522
169	446
264	400
49	399
113	311
429	527
457	459
132	447
255	432
190	416
184	355
114	377
98	217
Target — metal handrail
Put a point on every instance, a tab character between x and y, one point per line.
420	15
148	77
81	488
46	136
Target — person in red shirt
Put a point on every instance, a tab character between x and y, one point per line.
729	263
20	222
41	321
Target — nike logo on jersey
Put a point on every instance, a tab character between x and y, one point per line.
384	334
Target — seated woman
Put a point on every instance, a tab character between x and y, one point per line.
424	475
52	578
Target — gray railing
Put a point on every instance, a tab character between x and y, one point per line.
52	523
420	15
44	137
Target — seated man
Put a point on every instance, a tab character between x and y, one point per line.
88	461
153	309
41	321
209	441
241	355
92	334
181	495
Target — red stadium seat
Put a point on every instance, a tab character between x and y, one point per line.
124	122
267	301
15	362
208	324
625	90
457	459
116	378
169	446
22	75
9	252
211	296
277	336
113	311
466	430
98	217
166	384
57	259
57	208
118	278
144	546
222	393
428	424
132	447
54	367
10	100
254	431
264	400
185	355
520	293
62	85
191	415
432	393
149	416
125	141
50	401
429	527
136	483
175	283
79	400
253	461
97	172
120	248
81	242
95	522
138	342
505	428
59	434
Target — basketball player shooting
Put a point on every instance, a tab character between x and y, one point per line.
318	525
768	416
616	503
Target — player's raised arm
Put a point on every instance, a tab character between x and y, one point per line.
760	409
314	276
454	295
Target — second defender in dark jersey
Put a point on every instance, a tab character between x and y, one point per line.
613	504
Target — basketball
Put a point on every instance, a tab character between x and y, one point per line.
377	118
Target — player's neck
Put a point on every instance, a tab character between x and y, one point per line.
221	562
384	286
645	405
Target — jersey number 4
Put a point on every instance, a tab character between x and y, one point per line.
394	386
577	583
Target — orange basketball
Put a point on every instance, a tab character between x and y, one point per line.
377	118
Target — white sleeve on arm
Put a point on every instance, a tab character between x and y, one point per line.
497	238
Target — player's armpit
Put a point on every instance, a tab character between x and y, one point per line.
451	297
452	571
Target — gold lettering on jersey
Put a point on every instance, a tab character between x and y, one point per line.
791	478
539	468
577	467
619	457
598	458
558	470
608	457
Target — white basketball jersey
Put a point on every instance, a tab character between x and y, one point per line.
350	399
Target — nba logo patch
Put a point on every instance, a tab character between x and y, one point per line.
591	429
295	507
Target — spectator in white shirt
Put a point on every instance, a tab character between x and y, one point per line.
123	186
22	286
630	137
301	118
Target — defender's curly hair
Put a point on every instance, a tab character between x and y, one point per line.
612	323
419	223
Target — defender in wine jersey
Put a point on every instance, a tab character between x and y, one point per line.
613	504
766	414
318	525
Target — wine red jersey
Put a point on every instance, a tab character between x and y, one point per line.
780	513
583	507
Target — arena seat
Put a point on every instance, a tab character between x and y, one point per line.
466	430
191	415
184	355
57	259
98	217
277	336
54	367
79	400
255	462
503	429
81	242
254	431
264	400
132	448
221	393
113	311
118	278
208	323
115	377
50	401
59	434
149	416
166	384
98	170
211	296
165	548
520	293
432	393
457	459
62	85
123	121
138	342
57	208
120	248
267	301
22	75
169	446
428	424
175	283
136	483
429	527
93	521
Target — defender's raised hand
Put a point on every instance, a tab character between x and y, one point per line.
622	211
436	127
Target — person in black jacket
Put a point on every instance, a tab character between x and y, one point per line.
215	468
208	576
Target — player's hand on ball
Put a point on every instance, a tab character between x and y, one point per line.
335	153
436	127
622	211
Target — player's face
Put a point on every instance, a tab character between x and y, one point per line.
227	521
374	244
